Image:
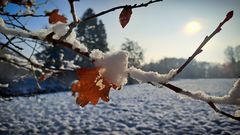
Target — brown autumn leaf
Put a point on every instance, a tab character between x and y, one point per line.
29	4
125	16
44	76
41	78
91	86
54	17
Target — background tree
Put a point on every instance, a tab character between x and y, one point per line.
53	56
135	53
135	57
233	56
92	33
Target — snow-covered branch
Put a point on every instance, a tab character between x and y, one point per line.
153	77
51	35
232	98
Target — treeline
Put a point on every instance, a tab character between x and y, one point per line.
230	69
193	70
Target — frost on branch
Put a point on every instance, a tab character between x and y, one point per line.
13	32
60	29
233	96
145	77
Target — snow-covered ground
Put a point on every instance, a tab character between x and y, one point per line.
137	109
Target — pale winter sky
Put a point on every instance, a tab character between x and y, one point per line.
171	28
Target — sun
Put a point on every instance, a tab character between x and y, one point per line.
193	27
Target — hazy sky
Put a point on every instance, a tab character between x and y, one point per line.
160	28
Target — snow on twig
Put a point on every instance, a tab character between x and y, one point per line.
154	77
232	98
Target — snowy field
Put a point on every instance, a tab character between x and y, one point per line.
137	109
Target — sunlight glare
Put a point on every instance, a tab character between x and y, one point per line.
193	27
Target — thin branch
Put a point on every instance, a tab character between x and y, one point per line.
10	42
204	42
73	12
22	25
189	94
74	24
120	7
199	50
26	42
23	15
222	112
34	48
14	25
50	39
11	23
36	65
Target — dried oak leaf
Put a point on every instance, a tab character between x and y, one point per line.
54	17
91	86
29	4
125	16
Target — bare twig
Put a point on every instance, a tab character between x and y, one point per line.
74	24
26	42
23	26
73	12
36	65
222	112
14	25
199	50
10	42
204	42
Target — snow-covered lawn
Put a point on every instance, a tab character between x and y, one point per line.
136	109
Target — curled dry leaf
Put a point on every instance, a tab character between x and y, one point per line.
29	3
91	86
54	17
125	16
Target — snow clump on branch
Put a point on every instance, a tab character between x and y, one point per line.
60	29
115	65
145	77
233	96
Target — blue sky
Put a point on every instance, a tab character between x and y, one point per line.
160	28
